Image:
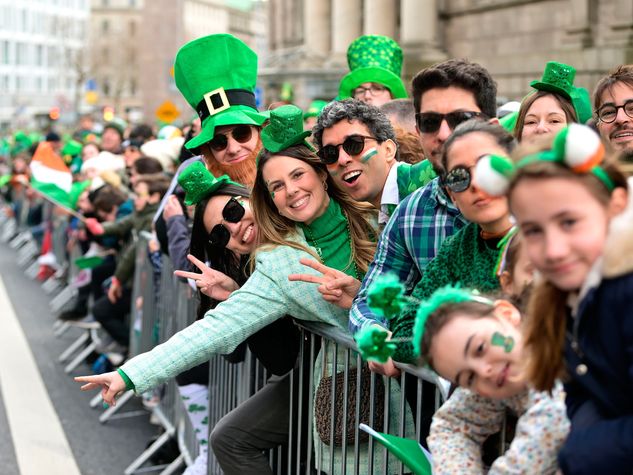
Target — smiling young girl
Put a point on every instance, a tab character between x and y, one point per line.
476	344
580	317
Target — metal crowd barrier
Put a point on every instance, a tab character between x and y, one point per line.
159	312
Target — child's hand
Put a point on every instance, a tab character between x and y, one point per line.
94	226
115	290
111	385
335	286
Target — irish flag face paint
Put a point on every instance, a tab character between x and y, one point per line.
368	154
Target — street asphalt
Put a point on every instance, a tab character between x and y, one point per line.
97	448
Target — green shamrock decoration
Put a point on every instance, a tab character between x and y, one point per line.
386	297
373	344
196	408
507	342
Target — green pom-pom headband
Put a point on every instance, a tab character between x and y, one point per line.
386	297
577	147
442	296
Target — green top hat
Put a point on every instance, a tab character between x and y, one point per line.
285	129
198	183
559	78
315	109
373	58
217	75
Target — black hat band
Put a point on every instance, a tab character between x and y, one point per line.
220	99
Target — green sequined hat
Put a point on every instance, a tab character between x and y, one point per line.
559	78
315	109
198	183
285	129
374	58
217	75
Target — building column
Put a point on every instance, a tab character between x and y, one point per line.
419	34
316	21
380	18
346	24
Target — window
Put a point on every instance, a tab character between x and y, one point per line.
105	26
132	28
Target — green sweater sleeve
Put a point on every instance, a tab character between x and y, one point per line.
129	385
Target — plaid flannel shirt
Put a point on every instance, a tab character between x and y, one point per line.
410	240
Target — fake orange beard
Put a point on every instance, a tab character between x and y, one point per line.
243	172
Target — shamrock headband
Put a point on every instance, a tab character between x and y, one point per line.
198	183
576	147
386	297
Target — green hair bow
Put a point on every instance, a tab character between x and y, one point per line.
577	147
198	183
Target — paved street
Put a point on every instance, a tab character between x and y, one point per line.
71	439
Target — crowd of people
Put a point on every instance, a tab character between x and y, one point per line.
506	243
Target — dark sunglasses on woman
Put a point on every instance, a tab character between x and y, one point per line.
430	122
458	179
233	212
240	133
353	145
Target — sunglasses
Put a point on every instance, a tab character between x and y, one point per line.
233	212
353	145
429	122
458	179
241	134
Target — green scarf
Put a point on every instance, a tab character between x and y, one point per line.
329	235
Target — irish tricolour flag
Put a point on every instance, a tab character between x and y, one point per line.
50	175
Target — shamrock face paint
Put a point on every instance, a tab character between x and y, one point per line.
507	342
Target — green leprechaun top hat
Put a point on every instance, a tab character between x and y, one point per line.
285	129
373	58
559	78
217	75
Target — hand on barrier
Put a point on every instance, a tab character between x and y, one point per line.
387	369
172	208
94	226
115	290
111	385
335	286
211	282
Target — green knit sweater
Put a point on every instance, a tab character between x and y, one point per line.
329	236
464	258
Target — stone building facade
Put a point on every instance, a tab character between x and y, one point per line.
133	44
512	38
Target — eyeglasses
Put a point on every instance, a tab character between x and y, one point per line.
241	134
374	90
609	112
353	145
429	122
233	212
458	179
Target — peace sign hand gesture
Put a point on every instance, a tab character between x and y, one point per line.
335	286
211	282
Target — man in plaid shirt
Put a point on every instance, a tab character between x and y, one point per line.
444	95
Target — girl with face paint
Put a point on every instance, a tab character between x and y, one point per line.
476	344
